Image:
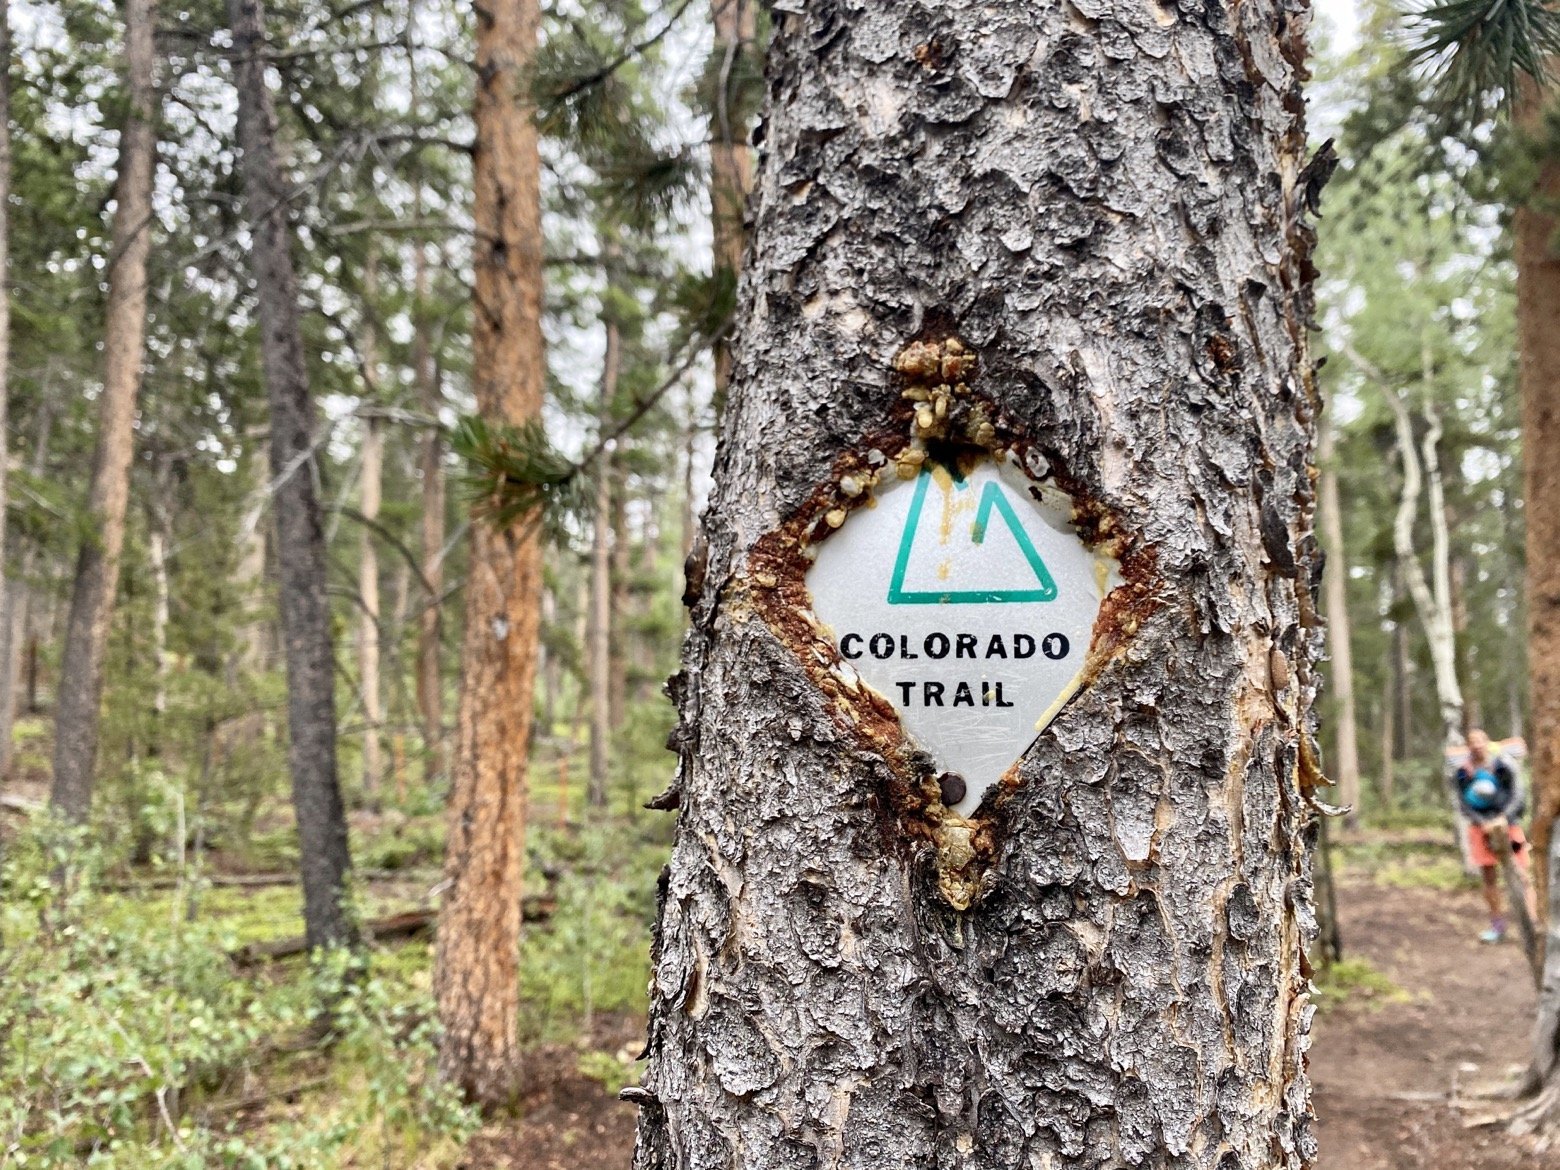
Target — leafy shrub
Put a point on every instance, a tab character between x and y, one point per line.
126	1037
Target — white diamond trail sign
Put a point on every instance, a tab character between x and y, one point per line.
969	604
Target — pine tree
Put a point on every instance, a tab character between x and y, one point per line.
305	612
477	963
1104	966
97	564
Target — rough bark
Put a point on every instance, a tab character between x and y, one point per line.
370	494
477	961
124	337
300	537
1538	308
731	159
430	620
1346	767
1103	205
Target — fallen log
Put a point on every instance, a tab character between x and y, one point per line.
258	880
407	924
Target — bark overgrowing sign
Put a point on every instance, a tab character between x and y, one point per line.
968	601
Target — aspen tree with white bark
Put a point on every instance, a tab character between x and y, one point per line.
430	618
1077	236
370	619
78	710
1345	771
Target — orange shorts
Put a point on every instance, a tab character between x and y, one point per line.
1479	848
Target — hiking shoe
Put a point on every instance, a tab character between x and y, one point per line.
1494	934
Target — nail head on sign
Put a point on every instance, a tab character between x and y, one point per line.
953	787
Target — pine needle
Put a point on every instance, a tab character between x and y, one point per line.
1478	50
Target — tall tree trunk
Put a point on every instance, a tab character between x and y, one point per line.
477	964
124	337
430	621
1432	604
599	669
622	571
1126	984
549	667
687	519
7	629
144	831
731	159
1538	308
300	536
18	586
1441	560
1346	768
249	572
1402	697
369	616
1473	714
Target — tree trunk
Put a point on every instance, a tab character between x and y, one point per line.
1538	308
731	159
1104	966
1402	698
18	587
124	336
7	588
1445	652
687	519
1432	605
370	493
1473	713
300	536
1346	768
157	540
430	621
249	572
600	629
622	571
477	963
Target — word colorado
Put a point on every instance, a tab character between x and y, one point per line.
938	645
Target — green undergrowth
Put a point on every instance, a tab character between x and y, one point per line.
1355	982
129	1036
1428	860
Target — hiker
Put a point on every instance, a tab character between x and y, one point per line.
1490	796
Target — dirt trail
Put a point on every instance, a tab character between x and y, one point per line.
1463	1024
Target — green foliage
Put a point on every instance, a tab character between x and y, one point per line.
1481	49
1354	982
514	471
126	1035
592	956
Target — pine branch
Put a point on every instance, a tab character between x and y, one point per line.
597	76
1478	51
515	472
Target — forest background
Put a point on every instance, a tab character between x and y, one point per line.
154	1007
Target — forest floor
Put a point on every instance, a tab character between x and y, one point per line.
1421	1015
1428	1019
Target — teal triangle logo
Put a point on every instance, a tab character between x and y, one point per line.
993	500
